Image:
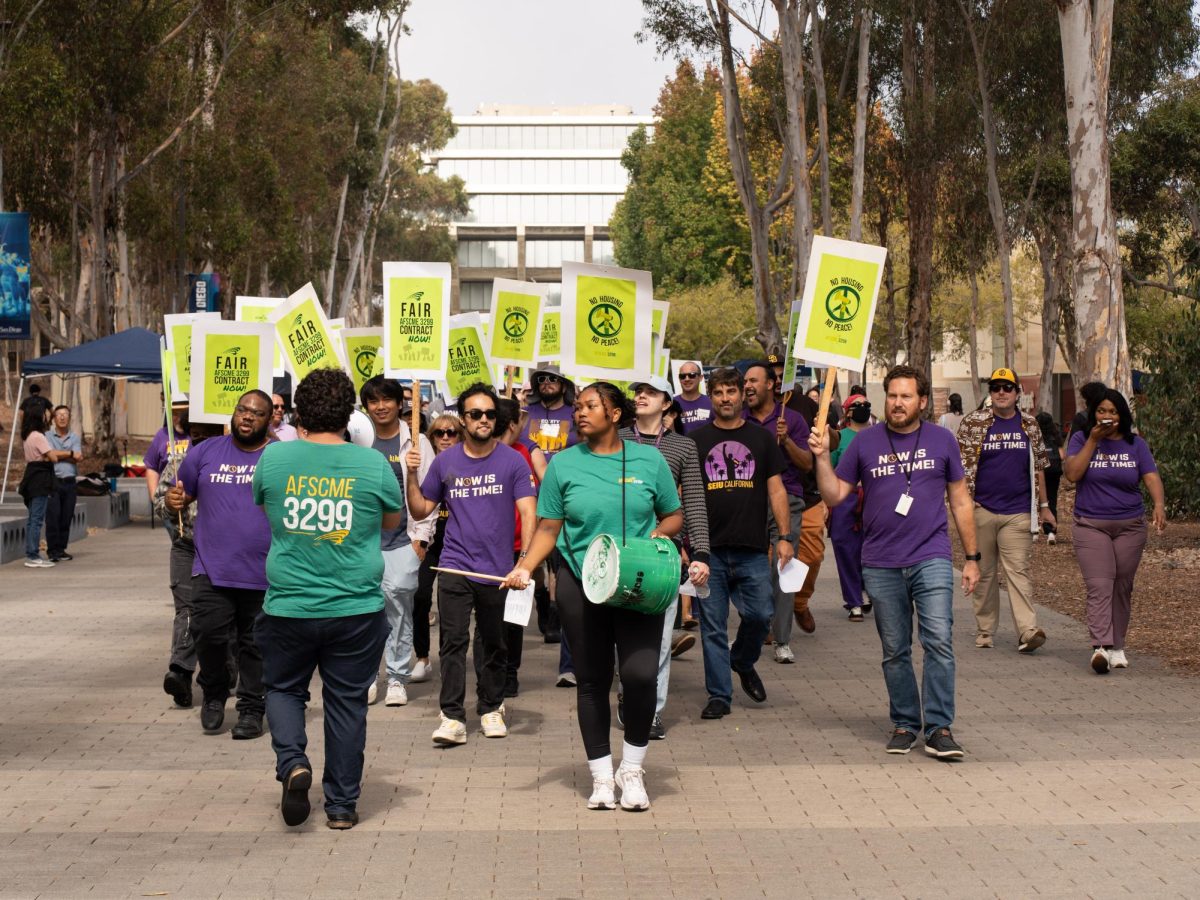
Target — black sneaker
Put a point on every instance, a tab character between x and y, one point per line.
941	744
295	806
902	741
249	726
179	686
511	686
63	557
657	732
752	685
212	716
715	709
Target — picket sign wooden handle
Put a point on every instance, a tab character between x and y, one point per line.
416	411
826	396
495	578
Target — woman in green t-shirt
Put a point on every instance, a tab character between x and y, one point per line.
605	486
326	500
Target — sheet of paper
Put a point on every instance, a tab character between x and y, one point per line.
791	576
518	606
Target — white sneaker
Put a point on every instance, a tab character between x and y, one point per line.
633	789
373	692
566	679
421	671
39	563
1100	661
784	654
603	794
1051	539
1117	659
450	732
493	725
396	695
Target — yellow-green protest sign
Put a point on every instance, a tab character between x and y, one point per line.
416	323
466	358
258	309
789	364
838	307
606	321
549	347
228	359
516	321
179	343
304	336
362	348
662	365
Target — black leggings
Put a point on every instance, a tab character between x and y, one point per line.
592	631
423	604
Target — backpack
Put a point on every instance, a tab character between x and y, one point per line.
91	485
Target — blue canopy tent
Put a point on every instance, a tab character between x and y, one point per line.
134	354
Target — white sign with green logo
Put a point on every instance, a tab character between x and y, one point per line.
179	343
259	309
838	306
362	347
467	360
516	318
304	335
606	321
416	320
789	363
228	359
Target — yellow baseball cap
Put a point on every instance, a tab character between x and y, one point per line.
1005	375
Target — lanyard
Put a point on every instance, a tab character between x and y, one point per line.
911	460
637	435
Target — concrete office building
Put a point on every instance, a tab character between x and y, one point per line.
543	183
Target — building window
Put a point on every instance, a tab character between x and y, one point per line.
474	295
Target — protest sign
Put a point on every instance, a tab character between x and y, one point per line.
677	364
789	361
258	309
549	347
516	318
466	360
304	335
606	321
416	319
228	359
662	365
179	343
362	350
838	309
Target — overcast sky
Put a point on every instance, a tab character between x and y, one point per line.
537	52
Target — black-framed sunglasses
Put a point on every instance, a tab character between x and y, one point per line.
444	432
683	375
1002	387
476	414
278	406
547	379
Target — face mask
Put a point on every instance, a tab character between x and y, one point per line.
860	413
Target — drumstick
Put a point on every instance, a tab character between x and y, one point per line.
495	578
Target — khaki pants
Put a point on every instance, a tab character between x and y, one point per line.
1004	543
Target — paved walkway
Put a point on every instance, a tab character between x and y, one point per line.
1075	785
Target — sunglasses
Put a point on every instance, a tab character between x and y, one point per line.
277	406
547	379
476	414
445	432
1003	388
683	375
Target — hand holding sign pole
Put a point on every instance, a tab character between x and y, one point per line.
838	309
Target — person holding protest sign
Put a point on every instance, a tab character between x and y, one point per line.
229	574
742	467
651	398
806	511
326	500
403	546
164	448
908	468
696	407
605	485
479	480
1111	465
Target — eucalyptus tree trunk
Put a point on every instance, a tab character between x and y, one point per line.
861	112
994	196
973	335
1051	315
793	16
1099	306
767	330
822	120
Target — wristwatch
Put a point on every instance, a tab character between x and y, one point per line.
973	557
1044	505
790	537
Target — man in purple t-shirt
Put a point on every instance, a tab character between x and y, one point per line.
479	481
907	468
697	407
229	575
1004	458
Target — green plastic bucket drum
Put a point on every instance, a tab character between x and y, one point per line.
643	575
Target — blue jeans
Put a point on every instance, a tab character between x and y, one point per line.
927	588
345	650
401	569
33	526
742	577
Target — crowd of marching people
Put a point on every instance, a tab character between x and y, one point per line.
298	546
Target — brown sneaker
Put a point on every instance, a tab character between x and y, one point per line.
805	620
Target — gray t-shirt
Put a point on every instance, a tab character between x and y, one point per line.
394	449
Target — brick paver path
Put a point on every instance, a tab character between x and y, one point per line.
1075	785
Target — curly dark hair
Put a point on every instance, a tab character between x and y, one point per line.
323	401
477	388
908	372
613	398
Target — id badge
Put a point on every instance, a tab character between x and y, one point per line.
904	504
550	427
